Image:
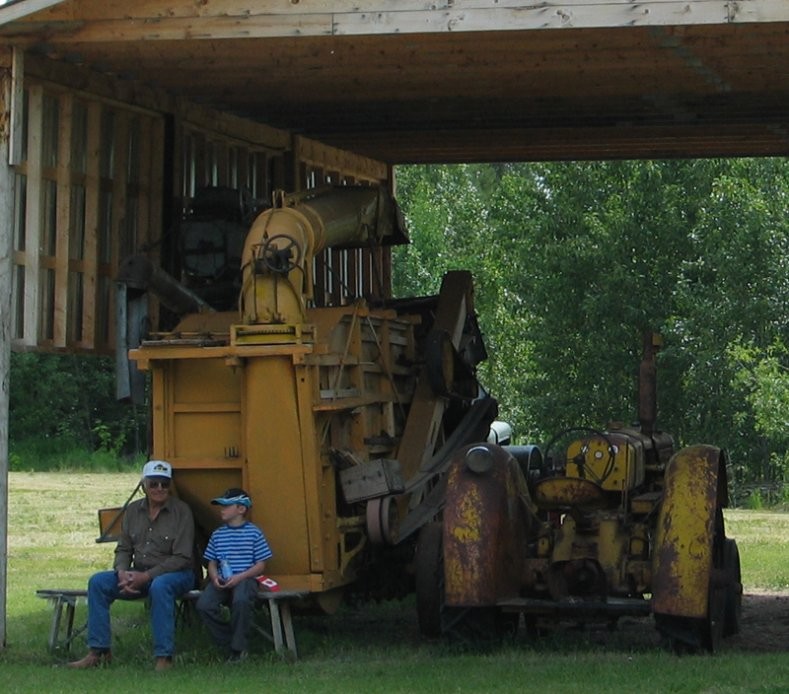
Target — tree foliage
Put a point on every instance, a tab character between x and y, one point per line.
573	261
69	401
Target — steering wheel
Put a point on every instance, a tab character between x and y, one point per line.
280	259
580	460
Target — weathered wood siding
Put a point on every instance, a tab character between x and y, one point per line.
98	178
85	195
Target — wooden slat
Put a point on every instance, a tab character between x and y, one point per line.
317	154
337	278
119	201
155	232
386	273
242	168
145	182
91	10
33	217
24	9
63	223
584	143
15	106
6	274
241	20
92	184
221	164
199	154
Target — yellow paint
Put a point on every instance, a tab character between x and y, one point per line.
291	388
626	471
264	415
468	519
683	554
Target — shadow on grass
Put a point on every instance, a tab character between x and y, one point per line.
393	625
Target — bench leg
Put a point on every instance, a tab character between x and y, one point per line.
287	627
54	628
276	625
70	608
59	603
282	627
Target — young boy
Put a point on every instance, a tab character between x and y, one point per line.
242	549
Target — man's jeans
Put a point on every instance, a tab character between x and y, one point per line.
162	591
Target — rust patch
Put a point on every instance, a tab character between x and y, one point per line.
564	492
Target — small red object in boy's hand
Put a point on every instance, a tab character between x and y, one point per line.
268	584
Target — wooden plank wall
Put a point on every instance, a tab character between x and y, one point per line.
343	275
90	189
87	192
215	159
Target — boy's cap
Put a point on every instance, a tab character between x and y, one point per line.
234	495
157	468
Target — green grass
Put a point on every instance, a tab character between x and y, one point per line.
365	649
763	539
44	455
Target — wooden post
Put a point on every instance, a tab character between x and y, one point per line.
6	243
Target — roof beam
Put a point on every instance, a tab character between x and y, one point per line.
119	20
17	9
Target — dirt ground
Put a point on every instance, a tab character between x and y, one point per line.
765	627
765	623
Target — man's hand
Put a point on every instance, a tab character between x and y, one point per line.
132	582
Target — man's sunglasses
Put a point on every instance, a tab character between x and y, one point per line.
157	484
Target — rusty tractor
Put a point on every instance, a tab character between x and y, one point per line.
611	523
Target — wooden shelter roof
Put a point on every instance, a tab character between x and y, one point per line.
406	81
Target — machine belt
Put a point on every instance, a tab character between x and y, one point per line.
466	432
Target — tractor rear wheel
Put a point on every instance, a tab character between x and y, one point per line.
466	624
731	564
429	567
712	629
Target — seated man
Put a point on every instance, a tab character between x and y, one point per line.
154	559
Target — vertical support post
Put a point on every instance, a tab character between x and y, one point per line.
6	236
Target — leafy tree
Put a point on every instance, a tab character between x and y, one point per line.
69	401
573	261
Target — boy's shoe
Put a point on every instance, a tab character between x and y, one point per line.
163	663
237	656
92	659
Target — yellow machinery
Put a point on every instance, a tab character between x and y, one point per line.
339	421
613	523
357	430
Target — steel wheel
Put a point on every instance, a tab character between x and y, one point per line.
465	624
712	629
731	564
429	564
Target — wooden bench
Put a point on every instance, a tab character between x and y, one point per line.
278	605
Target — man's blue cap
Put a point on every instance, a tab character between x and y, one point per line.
234	495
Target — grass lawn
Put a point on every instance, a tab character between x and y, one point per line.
52	531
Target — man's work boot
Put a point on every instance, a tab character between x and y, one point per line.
92	659
163	663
